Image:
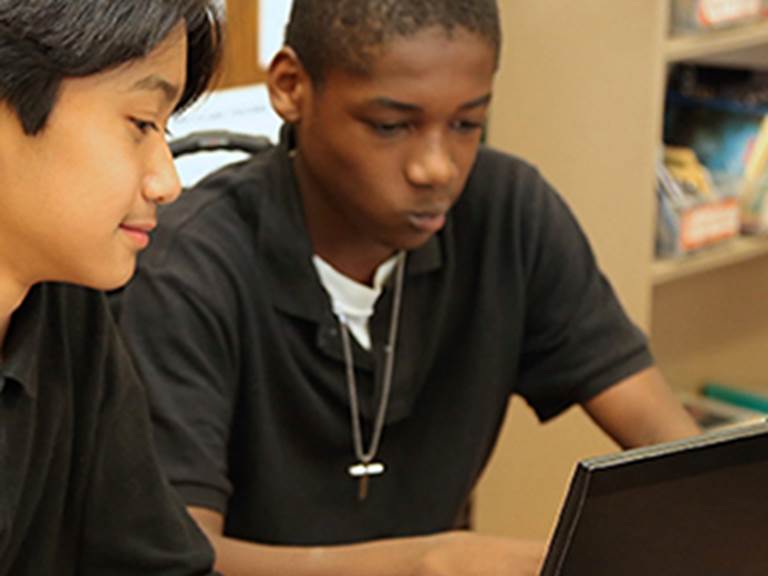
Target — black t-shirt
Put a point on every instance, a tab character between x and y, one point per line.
81	490
235	337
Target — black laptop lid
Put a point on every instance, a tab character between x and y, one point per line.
696	507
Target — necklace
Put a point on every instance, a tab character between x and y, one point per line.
366	466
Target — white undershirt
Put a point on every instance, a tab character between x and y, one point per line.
352	301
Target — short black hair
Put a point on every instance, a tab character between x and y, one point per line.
42	42
345	33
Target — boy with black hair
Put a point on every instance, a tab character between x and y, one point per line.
347	315
86	89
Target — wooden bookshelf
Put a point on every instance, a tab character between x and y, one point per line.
728	253
743	46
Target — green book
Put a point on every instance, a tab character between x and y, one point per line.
750	400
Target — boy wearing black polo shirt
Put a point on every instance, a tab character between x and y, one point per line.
347	315
86	88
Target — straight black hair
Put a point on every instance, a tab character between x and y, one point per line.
345	33
42	42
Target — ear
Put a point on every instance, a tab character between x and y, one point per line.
289	84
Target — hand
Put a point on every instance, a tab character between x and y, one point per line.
471	554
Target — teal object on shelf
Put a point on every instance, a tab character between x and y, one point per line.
749	400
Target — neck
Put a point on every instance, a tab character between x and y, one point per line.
334	238
12	295
4	322
352	264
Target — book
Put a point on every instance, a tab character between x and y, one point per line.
754	189
736	397
697	15
722	115
691	214
721	133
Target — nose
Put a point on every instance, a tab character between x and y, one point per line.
432	166
161	183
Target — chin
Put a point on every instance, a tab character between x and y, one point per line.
110	279
413	242
120	281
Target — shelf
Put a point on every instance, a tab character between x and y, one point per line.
744	46
732	252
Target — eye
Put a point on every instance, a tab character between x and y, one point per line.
389	129
147	126
466	126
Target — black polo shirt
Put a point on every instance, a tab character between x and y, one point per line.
80	488
245	365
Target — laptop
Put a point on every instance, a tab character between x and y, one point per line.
695	507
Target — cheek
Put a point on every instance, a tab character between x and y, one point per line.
103	173
465	155
373	164
347	167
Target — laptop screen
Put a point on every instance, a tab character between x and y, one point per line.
693	507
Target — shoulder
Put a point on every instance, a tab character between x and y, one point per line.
235	188
504	190
223	211
69	308
502	169
492	161
502	181
77	339
508	209
83	316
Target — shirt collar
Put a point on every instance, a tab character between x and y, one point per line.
24	342
287	249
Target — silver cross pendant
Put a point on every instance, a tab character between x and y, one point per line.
363	472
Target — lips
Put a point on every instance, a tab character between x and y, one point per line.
429	222
138	232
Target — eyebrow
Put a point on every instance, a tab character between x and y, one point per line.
384	102
157	83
